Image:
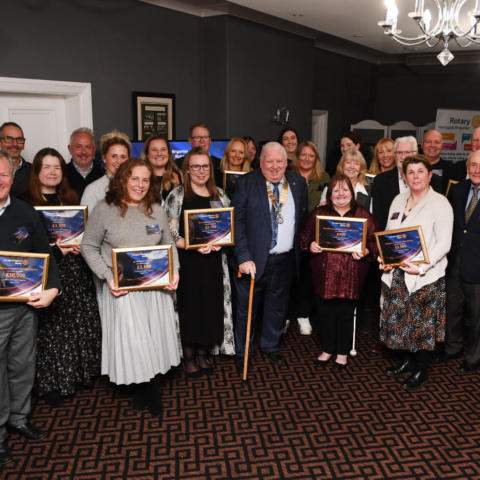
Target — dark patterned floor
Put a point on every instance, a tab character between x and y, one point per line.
293	421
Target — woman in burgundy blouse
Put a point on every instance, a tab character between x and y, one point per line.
338	277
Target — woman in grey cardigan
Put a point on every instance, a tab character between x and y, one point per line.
140	328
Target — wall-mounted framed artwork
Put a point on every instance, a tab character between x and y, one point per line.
153	113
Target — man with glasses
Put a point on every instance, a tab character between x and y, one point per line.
83	169
12	141
200	137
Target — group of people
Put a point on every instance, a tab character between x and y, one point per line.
87	326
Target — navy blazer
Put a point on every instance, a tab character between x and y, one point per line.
253	229
466	234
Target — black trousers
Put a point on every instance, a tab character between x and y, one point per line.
275	285
302	296
335	324
459	294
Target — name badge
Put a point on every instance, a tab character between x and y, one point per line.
395	216
20	234
216	204
152	229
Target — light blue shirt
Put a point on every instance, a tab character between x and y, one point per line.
470	195
286	230
19	165
80	171
5	205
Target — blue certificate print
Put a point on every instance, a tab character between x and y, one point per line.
345	235
21	276
211	226
142	269
66	223
400	246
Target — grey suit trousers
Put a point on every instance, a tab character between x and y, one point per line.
18	340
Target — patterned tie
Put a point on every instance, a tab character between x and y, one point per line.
273	217
471	205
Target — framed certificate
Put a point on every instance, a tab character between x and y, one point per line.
233	176
68	223
142	268
210	226
370	177
341	234
402	245
450	183
22	274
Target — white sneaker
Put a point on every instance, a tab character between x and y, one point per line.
305	327
287	324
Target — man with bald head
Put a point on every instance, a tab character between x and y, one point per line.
270	210
463	273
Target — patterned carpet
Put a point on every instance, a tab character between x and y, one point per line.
293	421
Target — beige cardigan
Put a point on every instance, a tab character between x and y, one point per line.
435	215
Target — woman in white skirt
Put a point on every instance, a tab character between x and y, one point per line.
140	328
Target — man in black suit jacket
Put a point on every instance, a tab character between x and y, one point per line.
458	171
463	274
200	137
389	184
267	246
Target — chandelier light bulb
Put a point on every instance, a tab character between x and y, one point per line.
427	18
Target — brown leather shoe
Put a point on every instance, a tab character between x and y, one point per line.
380	347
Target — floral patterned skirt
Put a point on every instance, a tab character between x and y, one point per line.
413	321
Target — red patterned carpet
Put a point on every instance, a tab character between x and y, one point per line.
293	421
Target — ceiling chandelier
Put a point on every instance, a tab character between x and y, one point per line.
446	29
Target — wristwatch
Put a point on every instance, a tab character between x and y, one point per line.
422	273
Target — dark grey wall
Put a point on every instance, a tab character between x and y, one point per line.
346	88
404	95
118	47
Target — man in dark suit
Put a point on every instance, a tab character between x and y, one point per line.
270	209
463	274
200	137
458	171
389	184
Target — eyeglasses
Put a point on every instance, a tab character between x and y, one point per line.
201	139
408	152
10	140
196	168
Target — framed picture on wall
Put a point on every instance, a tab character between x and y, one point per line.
153	113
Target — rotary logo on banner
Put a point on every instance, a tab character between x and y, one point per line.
456	127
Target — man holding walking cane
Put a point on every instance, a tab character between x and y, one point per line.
270	210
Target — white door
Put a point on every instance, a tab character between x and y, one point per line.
42	118
319	133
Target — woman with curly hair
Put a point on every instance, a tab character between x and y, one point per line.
140	330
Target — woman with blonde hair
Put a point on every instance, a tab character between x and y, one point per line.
383	157
353	165
235	159
157	151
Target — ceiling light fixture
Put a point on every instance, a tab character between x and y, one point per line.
446	29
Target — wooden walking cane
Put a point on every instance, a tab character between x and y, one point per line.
249	322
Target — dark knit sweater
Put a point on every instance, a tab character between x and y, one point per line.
21	214
21	178
76	180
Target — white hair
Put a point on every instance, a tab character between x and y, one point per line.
410	139
85	130
7	157
273	146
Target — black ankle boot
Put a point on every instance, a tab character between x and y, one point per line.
154	398
139	397
406	367
418	378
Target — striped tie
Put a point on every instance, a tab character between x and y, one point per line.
471	205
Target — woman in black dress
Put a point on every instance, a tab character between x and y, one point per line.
204	297
159	154
69	330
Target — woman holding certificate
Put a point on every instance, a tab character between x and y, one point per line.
235	159
69	333
158	152
414	315
338	276
306	162
204	296
140	330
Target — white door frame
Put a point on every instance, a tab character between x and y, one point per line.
319	133
78	97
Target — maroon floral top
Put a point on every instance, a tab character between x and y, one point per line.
338	275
